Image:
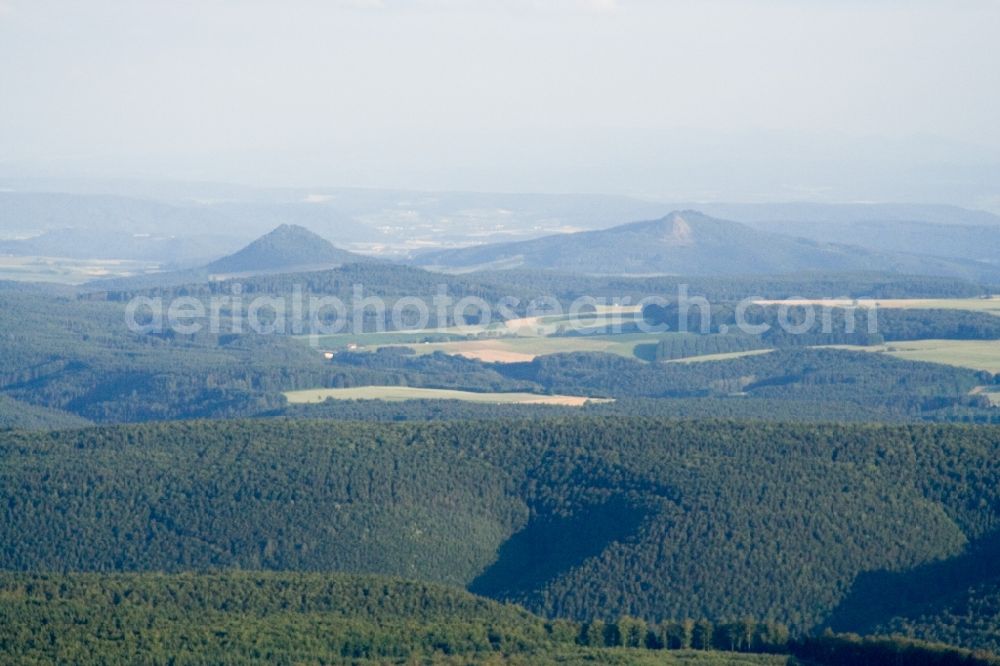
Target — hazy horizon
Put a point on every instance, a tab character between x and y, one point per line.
713	101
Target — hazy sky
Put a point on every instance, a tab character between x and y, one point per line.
730	99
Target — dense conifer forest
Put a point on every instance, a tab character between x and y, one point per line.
581	518
393	280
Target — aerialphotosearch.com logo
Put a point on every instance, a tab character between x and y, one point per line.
318	315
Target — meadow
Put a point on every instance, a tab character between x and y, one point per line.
989	305
975	354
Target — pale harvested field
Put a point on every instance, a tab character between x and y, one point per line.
990	305
517	349
975	354
720	357
491	353
397	393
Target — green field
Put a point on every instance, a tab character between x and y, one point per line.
990	305
975	354
395	393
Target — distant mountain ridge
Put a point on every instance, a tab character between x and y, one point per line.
958	241
180	226
176	251
847	213
690	243
289	248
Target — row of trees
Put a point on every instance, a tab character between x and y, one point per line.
742	636
291	618
828	649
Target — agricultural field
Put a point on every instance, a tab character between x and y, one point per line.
720	357
62	270
396	393
601	316
975	354
519	349
989	305
522	340
373	340
510	341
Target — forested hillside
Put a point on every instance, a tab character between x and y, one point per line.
393	280
290	618
267	618
247	618
825	379
969	617
800	327
16	415
954	601
579	518
77	356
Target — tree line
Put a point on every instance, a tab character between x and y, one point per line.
289	618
